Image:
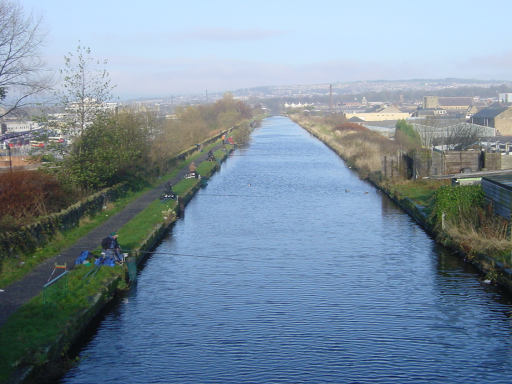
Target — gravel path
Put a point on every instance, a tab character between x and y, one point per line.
19	292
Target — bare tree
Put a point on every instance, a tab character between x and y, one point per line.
453	134
21	67
86	88
461	135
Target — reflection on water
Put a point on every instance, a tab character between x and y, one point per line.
288	268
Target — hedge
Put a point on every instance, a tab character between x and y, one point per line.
27	239
38	234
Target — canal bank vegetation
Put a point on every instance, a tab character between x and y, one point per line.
14	268
359	147
457	216
128	153
36	339
462	217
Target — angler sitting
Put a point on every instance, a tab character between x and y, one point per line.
112	248
168	192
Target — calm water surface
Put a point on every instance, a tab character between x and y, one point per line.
287	269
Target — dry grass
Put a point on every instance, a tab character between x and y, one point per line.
363	148
473	241
358	145
481	231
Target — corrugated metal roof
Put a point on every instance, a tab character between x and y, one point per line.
502	180
498	189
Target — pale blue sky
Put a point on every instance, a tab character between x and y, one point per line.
159	48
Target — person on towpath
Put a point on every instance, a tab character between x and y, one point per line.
112	248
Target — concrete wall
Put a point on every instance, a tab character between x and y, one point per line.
456	161
437	167
451	162
506	161
492	161
391	166
503	122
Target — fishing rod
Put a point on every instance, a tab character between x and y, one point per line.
206	257
269	154
229	195
186	255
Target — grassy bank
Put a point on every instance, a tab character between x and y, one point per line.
458	217
13	269
41	332
358	146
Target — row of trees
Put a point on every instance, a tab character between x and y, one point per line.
107	146
132	146
193	124
125	146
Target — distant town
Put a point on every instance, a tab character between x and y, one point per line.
435	108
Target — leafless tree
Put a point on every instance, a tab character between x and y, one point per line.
86	88
460	136
455	135
21	68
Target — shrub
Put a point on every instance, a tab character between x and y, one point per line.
28	194
407	135
457	203
350	127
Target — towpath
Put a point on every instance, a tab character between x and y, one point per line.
21	291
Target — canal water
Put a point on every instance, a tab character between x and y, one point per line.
289	269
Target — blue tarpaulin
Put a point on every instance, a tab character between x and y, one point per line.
83	256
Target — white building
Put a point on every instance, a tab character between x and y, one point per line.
505	97
19	126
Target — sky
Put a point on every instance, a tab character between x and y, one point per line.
158	48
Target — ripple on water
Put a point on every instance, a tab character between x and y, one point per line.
308	283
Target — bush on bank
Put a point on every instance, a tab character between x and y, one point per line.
458	204
470	223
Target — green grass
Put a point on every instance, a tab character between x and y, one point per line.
27	333
221	154
206	168
39	323
14	269
184	186
133	233
419	191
